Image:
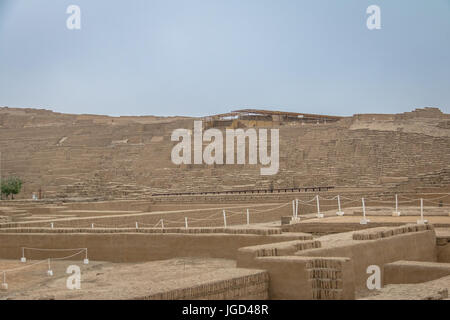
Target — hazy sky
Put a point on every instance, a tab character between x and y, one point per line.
200	57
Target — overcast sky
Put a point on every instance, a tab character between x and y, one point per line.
200	57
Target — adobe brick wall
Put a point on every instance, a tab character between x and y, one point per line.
99	156
414	271
135	247
416	246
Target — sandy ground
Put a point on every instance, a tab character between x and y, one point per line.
442	232
103	280
33	274
432	290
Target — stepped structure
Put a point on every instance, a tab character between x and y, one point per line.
65	156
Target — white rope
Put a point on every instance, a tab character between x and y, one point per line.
313	199
171	221
378	200
113	225
45	260
24	267
73	255
44	249
327	205
151	224
426	199
342	197
235	211
214	214
327	199
205	219
271	209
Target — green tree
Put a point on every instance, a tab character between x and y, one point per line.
11	186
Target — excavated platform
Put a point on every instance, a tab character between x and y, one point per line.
165	279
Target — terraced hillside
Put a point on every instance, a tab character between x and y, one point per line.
99	156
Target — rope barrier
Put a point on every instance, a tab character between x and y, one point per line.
44	249
438	198
267	210
217	216
328	199
73	255
24	267
47	260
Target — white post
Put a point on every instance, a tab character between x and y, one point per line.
293	209
421	221
86	260
319	215
23	259
248	217
421	209
51	225
364	220
4	284
92	226
162	223
340	212
49	271
137	225
224	219
396	213
185	222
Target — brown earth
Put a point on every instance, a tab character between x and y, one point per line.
99	156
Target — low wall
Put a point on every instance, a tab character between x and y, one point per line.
247	255
414	271
306	278
325	227
443	247
127	205
293	277
207	217
136	247
259	231
443	253
419	246
249	287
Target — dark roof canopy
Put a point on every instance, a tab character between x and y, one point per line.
270	113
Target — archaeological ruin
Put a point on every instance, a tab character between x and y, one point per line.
359	209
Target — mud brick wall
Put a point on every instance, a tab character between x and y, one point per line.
306	278
198	218
415	246
386	232
326	278
129	157
443	249
246	255
414	271
249	287
321	278
135	247
265	232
